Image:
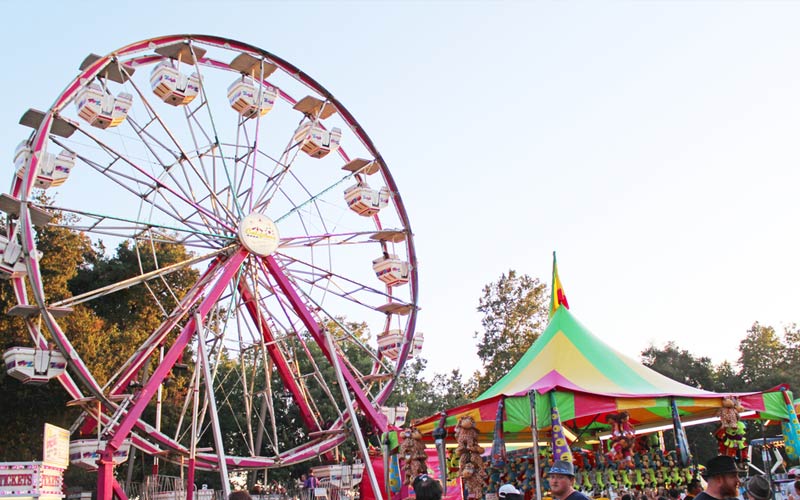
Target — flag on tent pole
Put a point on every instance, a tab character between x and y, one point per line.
791	428
557	297
559	439
498	456
681	443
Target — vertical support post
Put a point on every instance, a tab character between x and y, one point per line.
159	398
193	441
535	436
212	403
190	480
105	475
373	480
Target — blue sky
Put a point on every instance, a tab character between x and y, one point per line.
653	145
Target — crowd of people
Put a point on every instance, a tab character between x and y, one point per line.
652	471
721	475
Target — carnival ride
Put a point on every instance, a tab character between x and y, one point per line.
293	224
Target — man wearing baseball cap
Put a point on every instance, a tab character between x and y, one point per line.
561	477
722	477
509	492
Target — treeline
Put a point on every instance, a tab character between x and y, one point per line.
514	312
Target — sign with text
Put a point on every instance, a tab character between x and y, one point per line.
56	446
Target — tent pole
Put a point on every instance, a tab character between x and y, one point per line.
535	436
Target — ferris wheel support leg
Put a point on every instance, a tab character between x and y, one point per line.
105	475
190	480
373	480
228	271
376	418
212	403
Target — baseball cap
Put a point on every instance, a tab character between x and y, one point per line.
508	489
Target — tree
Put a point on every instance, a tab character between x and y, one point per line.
791	340
726	379
679	364
762	358
25	407
515	311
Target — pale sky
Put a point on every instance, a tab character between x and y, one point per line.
653	145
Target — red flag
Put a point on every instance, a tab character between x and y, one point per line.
557	297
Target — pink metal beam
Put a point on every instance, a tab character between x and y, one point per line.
377	419
277	357
228	271
119	491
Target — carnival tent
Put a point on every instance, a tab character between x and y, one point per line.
588	380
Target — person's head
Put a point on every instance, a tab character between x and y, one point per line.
509	492
722	477
239	495
757	488
797	486
674	493
561	477
694	487
311	473
626	496
427	488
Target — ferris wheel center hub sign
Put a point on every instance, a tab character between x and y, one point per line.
259	234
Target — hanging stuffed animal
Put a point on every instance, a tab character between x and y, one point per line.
728	416
412	453
471	467
731	432
622	439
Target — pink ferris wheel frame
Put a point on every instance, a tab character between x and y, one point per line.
219	275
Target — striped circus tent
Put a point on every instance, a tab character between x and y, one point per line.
587	380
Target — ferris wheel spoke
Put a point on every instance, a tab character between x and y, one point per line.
104	224
149	185
330	282
334	239
136	280
179	157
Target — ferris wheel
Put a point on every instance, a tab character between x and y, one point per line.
279	208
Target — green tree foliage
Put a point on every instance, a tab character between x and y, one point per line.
763	358
726	379
515	311
425	397
25	408
678	364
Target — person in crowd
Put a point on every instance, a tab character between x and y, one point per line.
794	494
693	489
757	488
239	495
673	494
310	482
427	488
722	477
561	477
510	492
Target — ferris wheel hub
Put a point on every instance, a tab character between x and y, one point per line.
259	234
